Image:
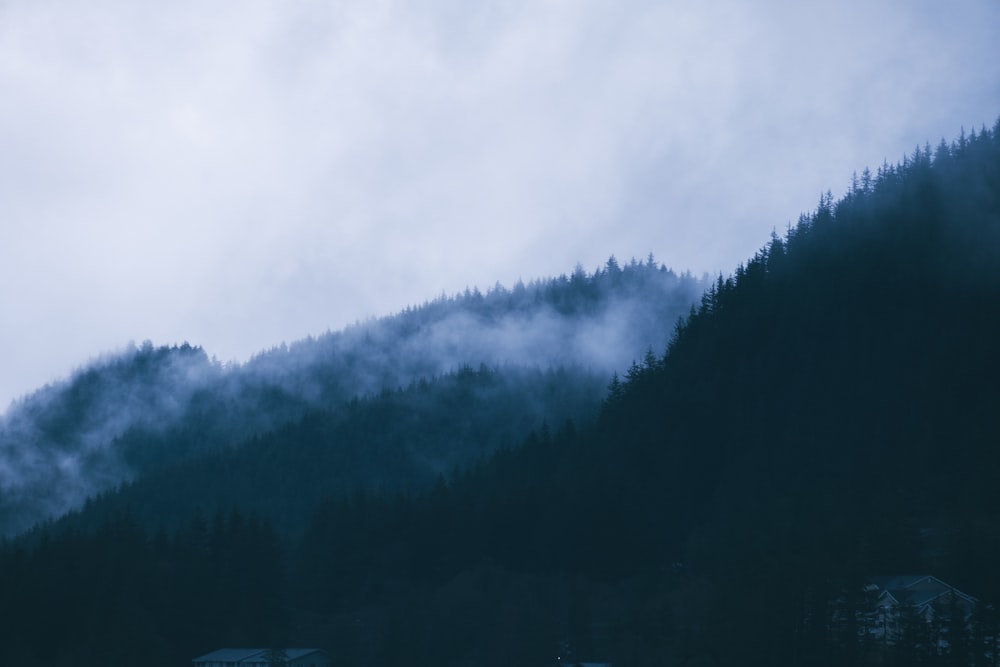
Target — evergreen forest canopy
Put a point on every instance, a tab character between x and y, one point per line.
130	414
825	414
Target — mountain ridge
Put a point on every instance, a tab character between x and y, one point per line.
73	439
824	414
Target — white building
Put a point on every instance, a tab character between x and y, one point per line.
924	594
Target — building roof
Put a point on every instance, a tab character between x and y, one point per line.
229	655
296	653
918	590
237	655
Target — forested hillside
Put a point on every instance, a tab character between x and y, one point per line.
399	441
825	414
828	413
132	413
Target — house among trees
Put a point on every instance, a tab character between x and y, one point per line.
264	657
900	601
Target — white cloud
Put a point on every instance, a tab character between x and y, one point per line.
240	173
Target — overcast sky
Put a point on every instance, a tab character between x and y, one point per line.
240	173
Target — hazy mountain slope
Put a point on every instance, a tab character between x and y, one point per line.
601	321
832	413
829	413
397	442
56	445
144	408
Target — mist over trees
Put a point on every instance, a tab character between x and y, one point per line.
128	414
824	415
399	441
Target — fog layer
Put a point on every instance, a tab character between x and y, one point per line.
79	436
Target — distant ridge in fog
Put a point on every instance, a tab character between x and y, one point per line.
72	439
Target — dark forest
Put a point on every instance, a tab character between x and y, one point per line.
826	414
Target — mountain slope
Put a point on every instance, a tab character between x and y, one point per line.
826	414
132	413
397	442
829	413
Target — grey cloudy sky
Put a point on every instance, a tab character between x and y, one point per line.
241	173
